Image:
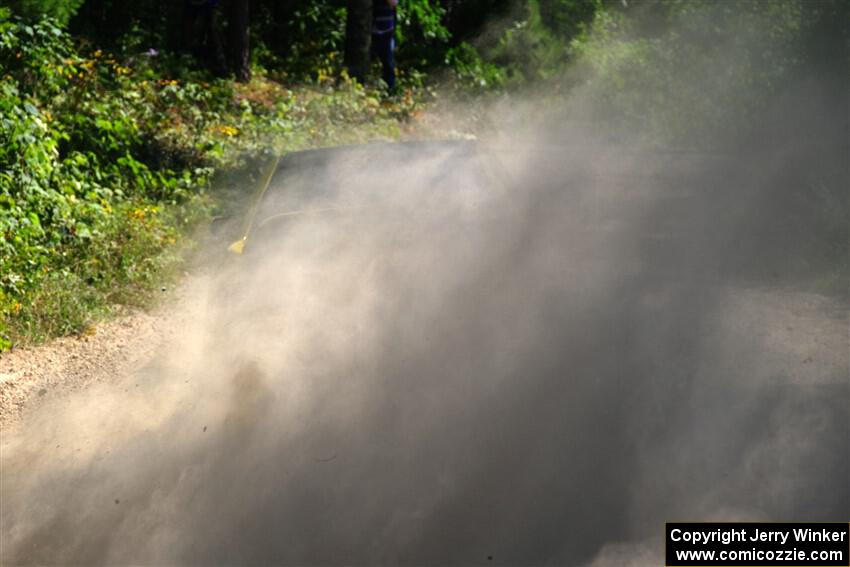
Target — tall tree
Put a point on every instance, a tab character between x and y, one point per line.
239	47
201	35
358	38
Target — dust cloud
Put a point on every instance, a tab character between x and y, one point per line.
531	349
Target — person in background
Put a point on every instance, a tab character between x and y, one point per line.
383	38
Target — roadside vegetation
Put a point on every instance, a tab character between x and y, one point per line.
106	167
116	124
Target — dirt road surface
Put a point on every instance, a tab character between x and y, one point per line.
808	330
71	407
69	367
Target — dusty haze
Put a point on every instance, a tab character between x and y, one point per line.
531	349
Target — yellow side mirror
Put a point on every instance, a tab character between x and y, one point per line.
237	247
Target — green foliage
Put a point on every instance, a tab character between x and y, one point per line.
31	54
34	10
537	44
314	35
316	38
566	19
104	164
421	34
707	69
123	256
72	164
472	71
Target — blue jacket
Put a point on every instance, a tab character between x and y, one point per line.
383	20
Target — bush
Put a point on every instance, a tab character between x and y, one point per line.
72	164
707	69
472	71
33	10
105	162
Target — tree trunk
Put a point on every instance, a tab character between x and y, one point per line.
239	46
282	12
358	38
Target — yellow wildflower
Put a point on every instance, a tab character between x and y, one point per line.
229	131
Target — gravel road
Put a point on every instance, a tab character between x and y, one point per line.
807	332
132	426
65	367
